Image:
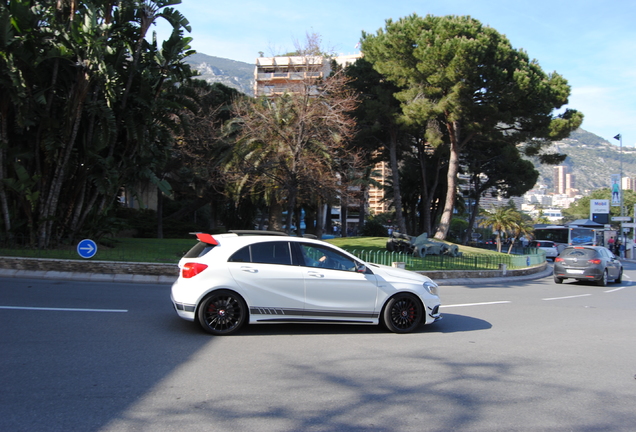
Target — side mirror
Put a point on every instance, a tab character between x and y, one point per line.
361	268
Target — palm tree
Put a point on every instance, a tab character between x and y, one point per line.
500	219
521	226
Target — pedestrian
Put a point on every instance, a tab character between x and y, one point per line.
610	244
621	250
617	247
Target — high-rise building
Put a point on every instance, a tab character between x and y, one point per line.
559	179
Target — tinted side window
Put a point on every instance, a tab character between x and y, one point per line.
317	256
271	253
241	255
198	250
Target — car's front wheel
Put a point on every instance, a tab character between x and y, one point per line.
222	312
403	313
558	280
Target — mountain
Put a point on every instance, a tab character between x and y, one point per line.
591	159
232	73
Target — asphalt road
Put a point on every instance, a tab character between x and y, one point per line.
510	356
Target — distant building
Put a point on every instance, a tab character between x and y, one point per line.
629	183
564	182
552	214
377	203
277	75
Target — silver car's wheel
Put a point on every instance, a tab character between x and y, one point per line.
603	280
403	313
558	280
222	312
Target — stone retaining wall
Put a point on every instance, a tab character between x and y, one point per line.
89	266
165	269
470	274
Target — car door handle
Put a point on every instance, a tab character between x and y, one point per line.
315	274
249	270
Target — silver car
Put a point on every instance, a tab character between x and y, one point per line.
547	246
588	263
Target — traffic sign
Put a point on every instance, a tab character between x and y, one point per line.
629	225
87	248
621	218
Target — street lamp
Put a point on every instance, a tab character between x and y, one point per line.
620	184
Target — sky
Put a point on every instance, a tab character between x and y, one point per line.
592	44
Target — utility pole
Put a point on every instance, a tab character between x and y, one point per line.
620	184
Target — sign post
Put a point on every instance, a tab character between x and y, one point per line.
87	248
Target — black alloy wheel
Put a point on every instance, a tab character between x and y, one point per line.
403	313
222	313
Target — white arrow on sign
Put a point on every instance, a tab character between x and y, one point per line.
89	247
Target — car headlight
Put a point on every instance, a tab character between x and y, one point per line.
431	287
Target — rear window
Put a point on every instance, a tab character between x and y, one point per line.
198	250
578	253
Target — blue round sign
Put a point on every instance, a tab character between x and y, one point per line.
87	248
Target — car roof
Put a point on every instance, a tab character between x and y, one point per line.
245	237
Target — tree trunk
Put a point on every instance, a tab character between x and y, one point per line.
362	211
49	209
471	220
275	216
159	214
320	216
395	173
343	217
451	192
4	143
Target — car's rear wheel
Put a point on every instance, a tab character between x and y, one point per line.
222	312
603	280
619	279
558	280
403	313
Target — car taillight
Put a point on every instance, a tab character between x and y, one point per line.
557	259
595	261
192	269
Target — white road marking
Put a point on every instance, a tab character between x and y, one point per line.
61	309
474	304
569	297
615	289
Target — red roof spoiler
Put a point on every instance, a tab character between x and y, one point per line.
206	238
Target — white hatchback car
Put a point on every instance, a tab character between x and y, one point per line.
227	280
547	246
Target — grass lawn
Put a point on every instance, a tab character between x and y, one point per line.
171	250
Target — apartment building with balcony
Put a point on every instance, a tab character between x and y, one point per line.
276	75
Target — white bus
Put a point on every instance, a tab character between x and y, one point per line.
569	235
